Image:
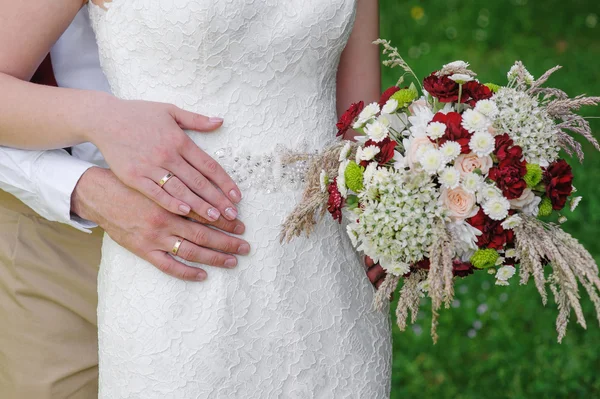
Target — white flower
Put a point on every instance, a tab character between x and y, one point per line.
395	268
432	161
377	131
458	64
464	237
511	253
368	153
450	177
390	106
369	172
513	73
435	130
366	115
352	234
399	160
450	150
512	222
475	121
505	273
482	144
341	179
501	282
487	108
574	202
419	120
324	180
528	203
345	152
487	192
496	208
461	78
472	182
423	287
562	219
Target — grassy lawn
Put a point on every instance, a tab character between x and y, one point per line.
500	342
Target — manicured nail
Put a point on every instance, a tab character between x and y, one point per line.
213	214
184	209
231	213
215	119
239	229
231	262
235	196
201	276
244	249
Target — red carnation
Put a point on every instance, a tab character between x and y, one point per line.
386	151
454	130
459	268
505	148
442	88
493	234
335	203
474	91
387	94
558	178
508	176
347	119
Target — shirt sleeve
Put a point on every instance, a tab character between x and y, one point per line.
44	180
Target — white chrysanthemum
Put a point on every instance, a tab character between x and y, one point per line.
471	182
399	160
482	144
369	172
512	222
511	253
496	208
450	177
377	131
461	78
395	268
419	120
345	152
464	238
500	261
458	64
435	130
366	115
450	150
324	180
505	273
575	202
390	106
432	161
341	179
368	153
475	121
487	192
487	108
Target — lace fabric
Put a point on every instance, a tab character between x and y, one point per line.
292	320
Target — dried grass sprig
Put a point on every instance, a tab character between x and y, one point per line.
536	87
394	59
410	298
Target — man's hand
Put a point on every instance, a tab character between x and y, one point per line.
375	272
150	232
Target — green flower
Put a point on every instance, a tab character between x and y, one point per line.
405	96
354	177
533	175
545	207
493	87
484	258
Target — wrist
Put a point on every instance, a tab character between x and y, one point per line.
90	186
93	125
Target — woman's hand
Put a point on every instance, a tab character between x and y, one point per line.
375	272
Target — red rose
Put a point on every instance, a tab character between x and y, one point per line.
386	151
387	94
454	130
474	91
493	234
347	119
335	203
558	178
442	88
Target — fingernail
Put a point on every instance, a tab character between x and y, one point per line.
235	197
244	249
231	213
184	209
239	229
201	276
213	214
230	262
215	119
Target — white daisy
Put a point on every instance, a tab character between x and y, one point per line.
487	192
432	161
487	108
505	273
324	180
461	78
472	182
366	115
475	121
511	253
512	222
369	153
341	179
390	106
345	152
482	144
574	202
450	177
435	130
377	131
496	208
450	150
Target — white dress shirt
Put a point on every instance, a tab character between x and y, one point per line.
45	180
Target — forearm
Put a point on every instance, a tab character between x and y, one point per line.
42	117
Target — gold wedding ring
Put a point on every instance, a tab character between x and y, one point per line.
176	246
165	179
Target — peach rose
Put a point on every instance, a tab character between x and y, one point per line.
460	203
467	163
415	149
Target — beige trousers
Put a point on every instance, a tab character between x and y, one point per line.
48	330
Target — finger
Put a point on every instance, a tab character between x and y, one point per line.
212	239
192	121
230	226
177	189
203	163
202	186
375	273
194	253
380	281
167	264
153	191
369	262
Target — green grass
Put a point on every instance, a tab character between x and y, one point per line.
500	342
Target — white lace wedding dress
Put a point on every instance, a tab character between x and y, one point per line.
292	320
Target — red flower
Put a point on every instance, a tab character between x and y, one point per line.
386	151
493	234
442	88
335	203
347	119
460	269
508	176
474	91
505	148
558	178
387	94
454	130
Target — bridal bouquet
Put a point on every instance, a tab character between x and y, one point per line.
458	179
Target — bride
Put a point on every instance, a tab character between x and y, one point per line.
291	320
